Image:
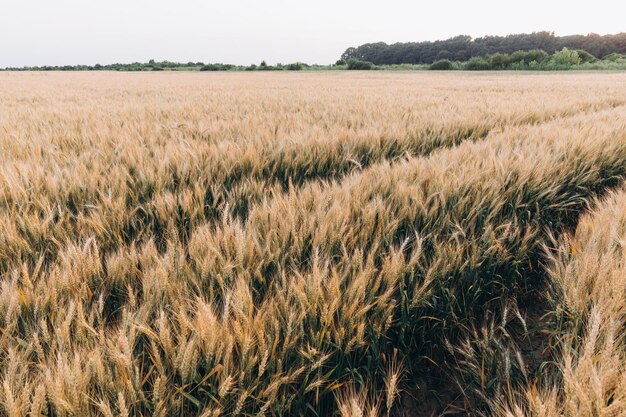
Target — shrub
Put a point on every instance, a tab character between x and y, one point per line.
477	64
564	59
217	67
296	66
527	59
265	67
356	64
537	55
585	56
614	57
499	61
441	65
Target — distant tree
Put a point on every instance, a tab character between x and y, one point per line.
264	67
348	54
444	54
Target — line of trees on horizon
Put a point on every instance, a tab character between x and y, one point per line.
535	51
464	48
153	65
534	60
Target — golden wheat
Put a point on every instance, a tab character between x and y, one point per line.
589	289
290	244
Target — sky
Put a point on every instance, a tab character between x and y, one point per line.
69	32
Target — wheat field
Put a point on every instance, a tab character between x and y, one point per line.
317	244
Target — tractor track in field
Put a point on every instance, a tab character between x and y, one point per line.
440	395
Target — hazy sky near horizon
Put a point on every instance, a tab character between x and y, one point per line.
58	32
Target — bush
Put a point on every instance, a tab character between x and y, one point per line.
157	69
407	67
585	56
477	64
217	67
526	57
499	61
296	66
265	67
565	58
604	65
441	65
356	64
614	57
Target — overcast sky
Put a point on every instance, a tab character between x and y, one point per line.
57	32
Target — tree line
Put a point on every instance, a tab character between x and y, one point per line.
534	51
464	48
536	59
153	65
